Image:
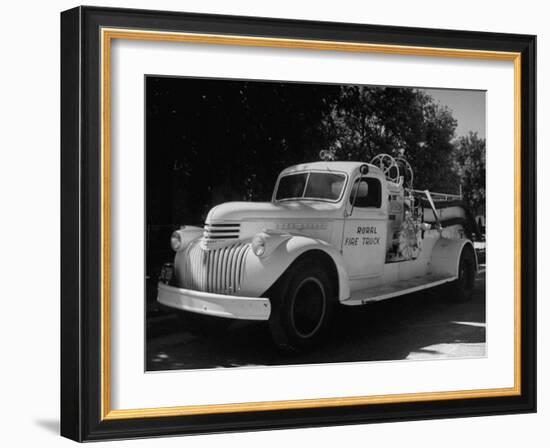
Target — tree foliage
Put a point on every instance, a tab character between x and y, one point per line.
470	167
366	121
211	141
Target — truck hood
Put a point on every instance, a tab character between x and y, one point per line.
252	211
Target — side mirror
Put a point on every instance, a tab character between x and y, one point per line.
360	185
364	169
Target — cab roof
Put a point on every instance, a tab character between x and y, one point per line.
347	167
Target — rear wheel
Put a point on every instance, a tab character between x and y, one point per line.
302	305
462	289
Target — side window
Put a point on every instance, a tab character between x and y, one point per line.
367	192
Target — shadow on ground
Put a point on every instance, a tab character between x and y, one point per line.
417	326
51	426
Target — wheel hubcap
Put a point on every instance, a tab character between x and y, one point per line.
308	307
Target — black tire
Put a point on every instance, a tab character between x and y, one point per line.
462	289
302	305
202	325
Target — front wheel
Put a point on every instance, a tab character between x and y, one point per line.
302	305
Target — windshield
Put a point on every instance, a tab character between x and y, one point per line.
311	185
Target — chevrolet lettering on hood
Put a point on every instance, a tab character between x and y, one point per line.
301	226
334	234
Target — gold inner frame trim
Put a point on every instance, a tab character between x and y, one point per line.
107	35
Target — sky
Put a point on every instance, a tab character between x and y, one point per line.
467	106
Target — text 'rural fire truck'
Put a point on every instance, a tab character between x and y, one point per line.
335	233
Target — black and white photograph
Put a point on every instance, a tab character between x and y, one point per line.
297	223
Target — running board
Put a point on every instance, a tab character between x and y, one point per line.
402	287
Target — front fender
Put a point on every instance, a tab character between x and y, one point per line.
446	256
262	272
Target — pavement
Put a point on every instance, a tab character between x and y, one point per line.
417	326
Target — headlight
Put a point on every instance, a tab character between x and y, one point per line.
258	245
166	273
176	241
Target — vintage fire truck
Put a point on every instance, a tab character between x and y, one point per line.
334	234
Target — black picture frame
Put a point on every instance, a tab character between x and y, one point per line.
81	224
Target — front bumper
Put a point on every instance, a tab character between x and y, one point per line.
219	305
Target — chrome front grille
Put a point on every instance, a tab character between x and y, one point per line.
216	270
221	231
